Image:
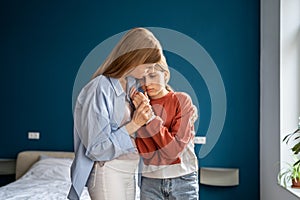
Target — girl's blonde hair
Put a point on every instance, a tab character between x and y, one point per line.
138	46
165	68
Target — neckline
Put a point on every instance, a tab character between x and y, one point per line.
162	98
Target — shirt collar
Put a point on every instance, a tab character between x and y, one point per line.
116	85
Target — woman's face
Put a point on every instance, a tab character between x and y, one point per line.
139	71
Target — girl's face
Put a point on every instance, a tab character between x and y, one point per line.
154	82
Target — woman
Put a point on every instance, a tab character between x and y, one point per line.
166	143
105	121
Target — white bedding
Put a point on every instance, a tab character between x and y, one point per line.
49	178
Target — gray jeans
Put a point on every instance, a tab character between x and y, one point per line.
181	188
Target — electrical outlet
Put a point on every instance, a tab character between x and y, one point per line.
200	140
33	135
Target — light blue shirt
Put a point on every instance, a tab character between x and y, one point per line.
98	113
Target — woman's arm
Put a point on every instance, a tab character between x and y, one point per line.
102	140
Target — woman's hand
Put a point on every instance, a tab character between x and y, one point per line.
194	116
140	116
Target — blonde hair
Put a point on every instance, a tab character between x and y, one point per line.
138	46
165	68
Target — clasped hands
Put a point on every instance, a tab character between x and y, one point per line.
143	110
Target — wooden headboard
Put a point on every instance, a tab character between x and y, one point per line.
26	159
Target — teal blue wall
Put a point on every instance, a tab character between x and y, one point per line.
43	44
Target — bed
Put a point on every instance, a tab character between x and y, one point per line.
41	175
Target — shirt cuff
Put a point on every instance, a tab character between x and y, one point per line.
149	120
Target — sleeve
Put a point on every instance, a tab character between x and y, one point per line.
167	143
92	124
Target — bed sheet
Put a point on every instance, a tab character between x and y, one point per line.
47	179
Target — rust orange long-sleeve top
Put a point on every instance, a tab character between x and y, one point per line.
162	141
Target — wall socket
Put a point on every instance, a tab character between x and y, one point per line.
199	140
34	135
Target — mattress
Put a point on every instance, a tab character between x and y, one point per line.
48	178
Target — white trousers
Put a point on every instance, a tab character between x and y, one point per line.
113	180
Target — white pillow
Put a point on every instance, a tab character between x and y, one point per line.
49	168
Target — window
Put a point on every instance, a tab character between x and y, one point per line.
289	76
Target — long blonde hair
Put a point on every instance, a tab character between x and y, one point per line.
138	46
